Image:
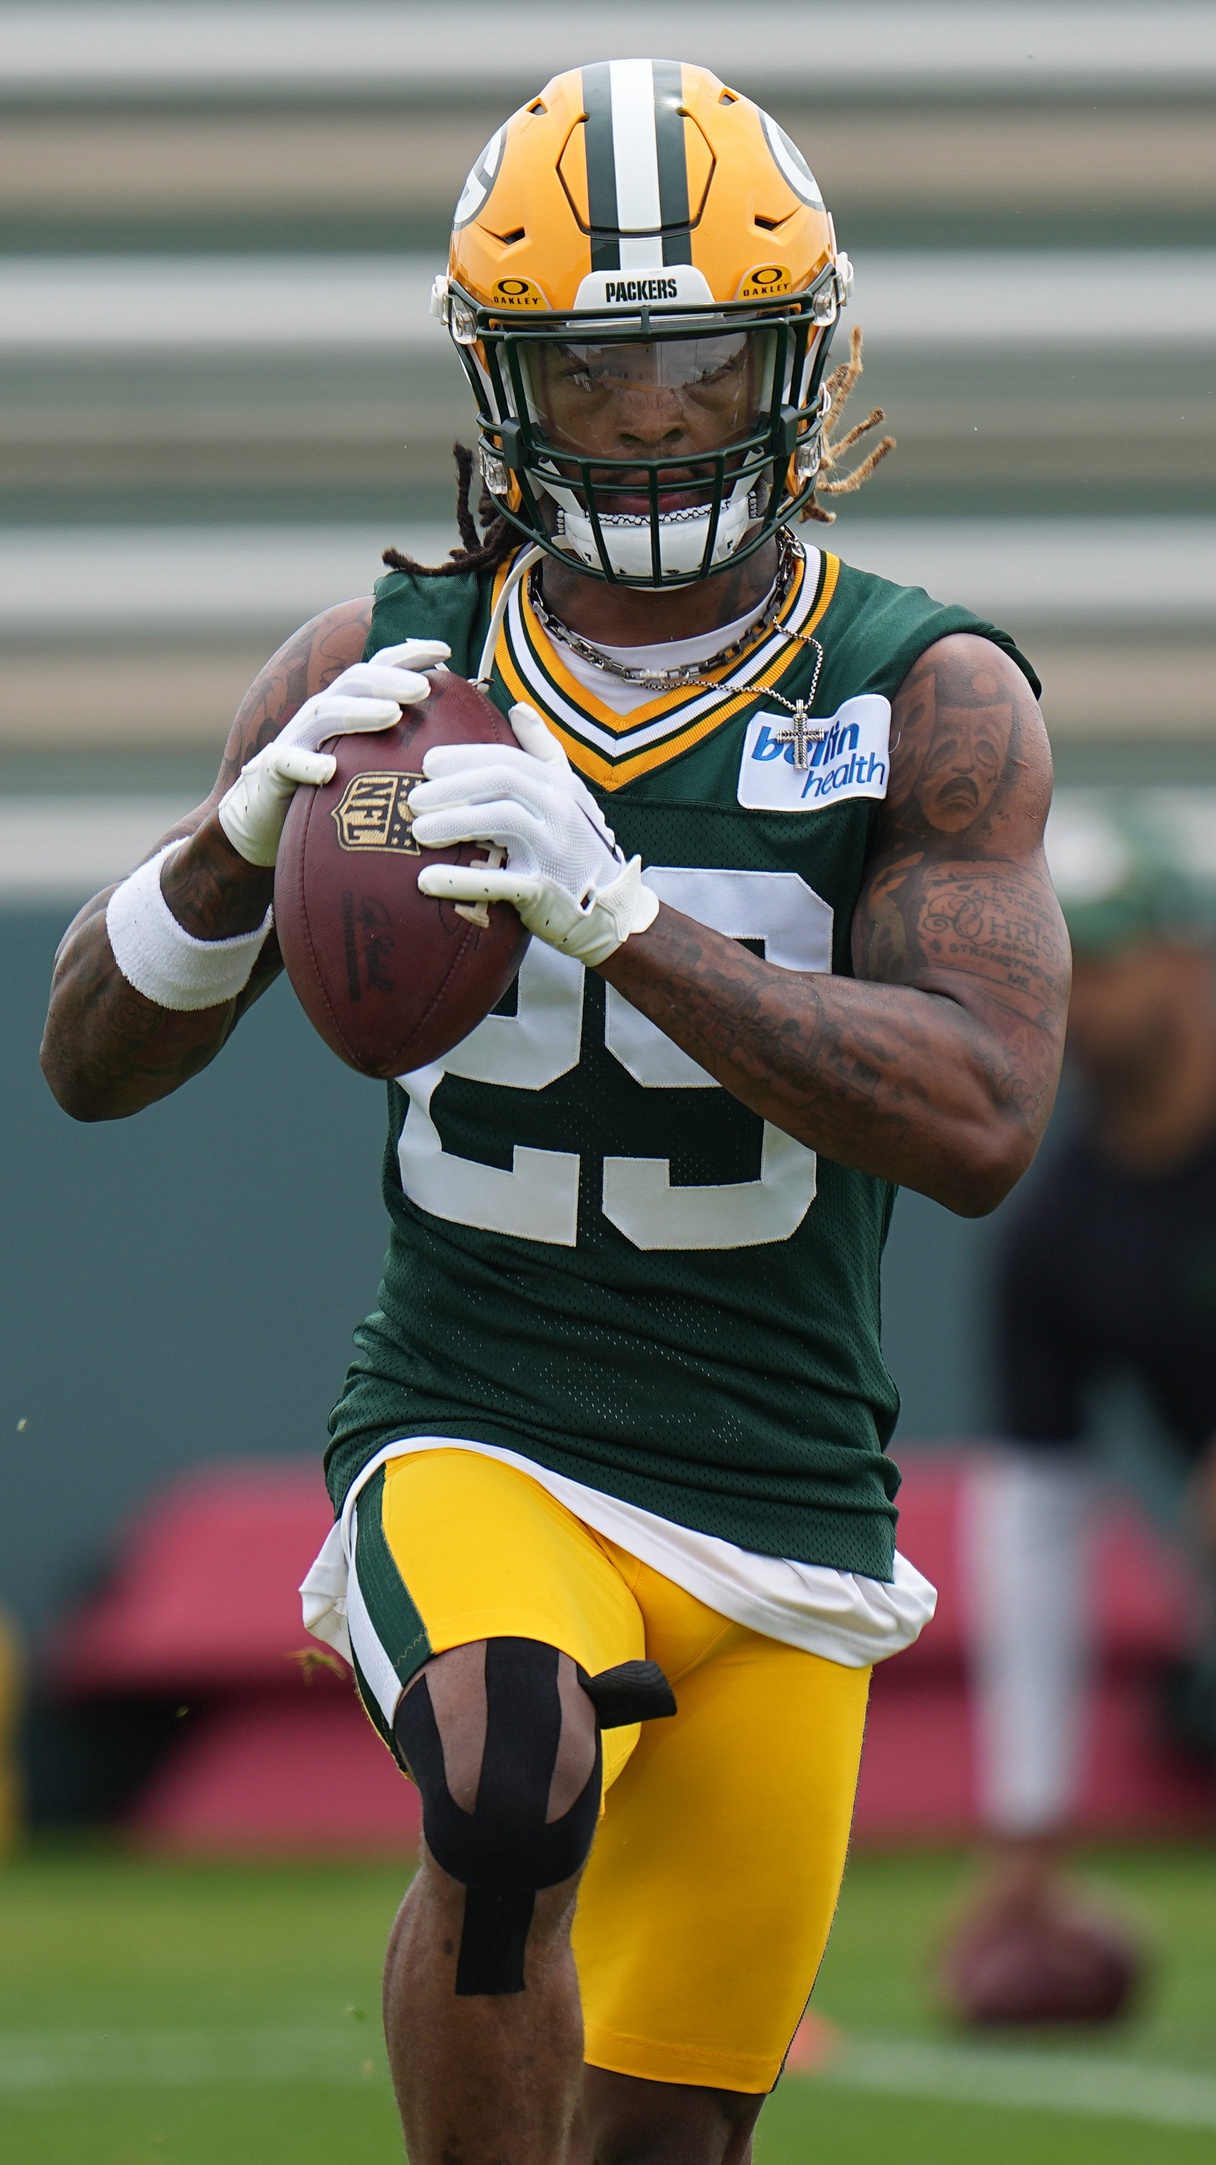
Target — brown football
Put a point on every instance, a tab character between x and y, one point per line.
1059	1963
390	977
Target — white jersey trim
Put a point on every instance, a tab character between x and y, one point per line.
625	698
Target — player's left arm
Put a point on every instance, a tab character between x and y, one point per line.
936	1065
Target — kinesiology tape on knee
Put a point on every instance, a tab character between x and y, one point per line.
503	1852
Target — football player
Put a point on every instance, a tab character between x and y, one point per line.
1107	1270
615	1547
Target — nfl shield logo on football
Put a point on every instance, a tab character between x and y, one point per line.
850	758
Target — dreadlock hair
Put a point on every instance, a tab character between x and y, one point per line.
495	544
842	383
497	540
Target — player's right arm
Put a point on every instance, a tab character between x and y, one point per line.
107	1050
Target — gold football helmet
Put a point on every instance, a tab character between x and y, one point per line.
642	287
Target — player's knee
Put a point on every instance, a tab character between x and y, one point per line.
635	2122
534	1799
503	1741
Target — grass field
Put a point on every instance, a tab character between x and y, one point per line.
227	2015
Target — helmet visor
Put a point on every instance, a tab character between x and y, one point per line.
631	403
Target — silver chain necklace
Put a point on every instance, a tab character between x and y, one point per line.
802	731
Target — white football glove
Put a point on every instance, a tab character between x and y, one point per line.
367	696
565	872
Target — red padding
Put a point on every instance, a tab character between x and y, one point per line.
205	1594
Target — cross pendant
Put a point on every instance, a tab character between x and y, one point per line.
799	731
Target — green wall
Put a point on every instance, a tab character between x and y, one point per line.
176	1288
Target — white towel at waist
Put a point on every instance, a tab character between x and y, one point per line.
840	1615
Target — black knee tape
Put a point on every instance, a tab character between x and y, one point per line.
633	1691
502	1852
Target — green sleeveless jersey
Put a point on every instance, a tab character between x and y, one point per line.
598	1257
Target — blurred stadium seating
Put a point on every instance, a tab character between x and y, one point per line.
272	1751
220	397
221	393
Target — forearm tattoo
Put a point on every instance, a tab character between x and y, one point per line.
107	1051
936	1065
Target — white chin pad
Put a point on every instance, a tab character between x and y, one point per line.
682	536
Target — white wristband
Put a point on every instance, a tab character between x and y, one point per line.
164	961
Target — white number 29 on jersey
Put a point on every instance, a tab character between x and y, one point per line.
538	1198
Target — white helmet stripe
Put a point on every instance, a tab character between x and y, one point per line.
637	186
635	151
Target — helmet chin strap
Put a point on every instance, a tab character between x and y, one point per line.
626	541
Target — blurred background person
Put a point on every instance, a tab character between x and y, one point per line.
1106	1270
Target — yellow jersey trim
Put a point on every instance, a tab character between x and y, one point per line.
550	660
613	773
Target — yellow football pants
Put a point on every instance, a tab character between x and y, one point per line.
705	1907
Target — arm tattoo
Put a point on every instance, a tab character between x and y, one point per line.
957	899
936	1064
107	1051
309	660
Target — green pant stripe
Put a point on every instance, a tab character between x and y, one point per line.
371	1707
395	1620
